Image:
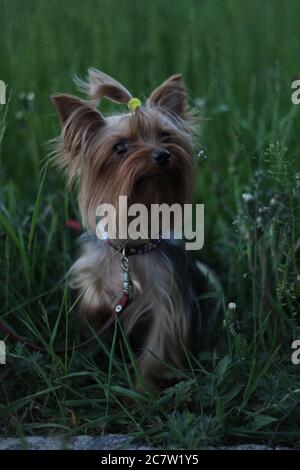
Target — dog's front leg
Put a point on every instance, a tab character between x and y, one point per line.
163	346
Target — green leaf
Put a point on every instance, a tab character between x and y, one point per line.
128	393
228	397
222	367
37	205
262	420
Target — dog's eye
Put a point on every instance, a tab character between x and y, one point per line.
121	147
165	137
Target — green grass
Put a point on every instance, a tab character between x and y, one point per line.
238	59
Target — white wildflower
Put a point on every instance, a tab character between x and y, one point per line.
247	197
201	156
273	202
259	221
263	209
232	306
30	96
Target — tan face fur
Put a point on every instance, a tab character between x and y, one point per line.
145	155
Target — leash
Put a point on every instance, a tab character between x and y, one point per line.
126	298
124	301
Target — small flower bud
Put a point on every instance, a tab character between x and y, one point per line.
232	306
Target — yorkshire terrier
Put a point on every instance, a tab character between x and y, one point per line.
146	154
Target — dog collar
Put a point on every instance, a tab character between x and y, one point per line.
121	246
135	250
125	250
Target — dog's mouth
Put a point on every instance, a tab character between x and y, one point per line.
155	175
147	178
155	188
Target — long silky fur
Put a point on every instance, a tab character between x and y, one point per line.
164	311
162	294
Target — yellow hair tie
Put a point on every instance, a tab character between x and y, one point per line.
133	104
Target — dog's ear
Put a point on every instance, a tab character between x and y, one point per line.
78	118
80	122
171	96
70	106
65	105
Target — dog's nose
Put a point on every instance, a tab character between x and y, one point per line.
161	157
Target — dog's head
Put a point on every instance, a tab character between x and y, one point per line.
145	154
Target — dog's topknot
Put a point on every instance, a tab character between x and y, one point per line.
99	85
